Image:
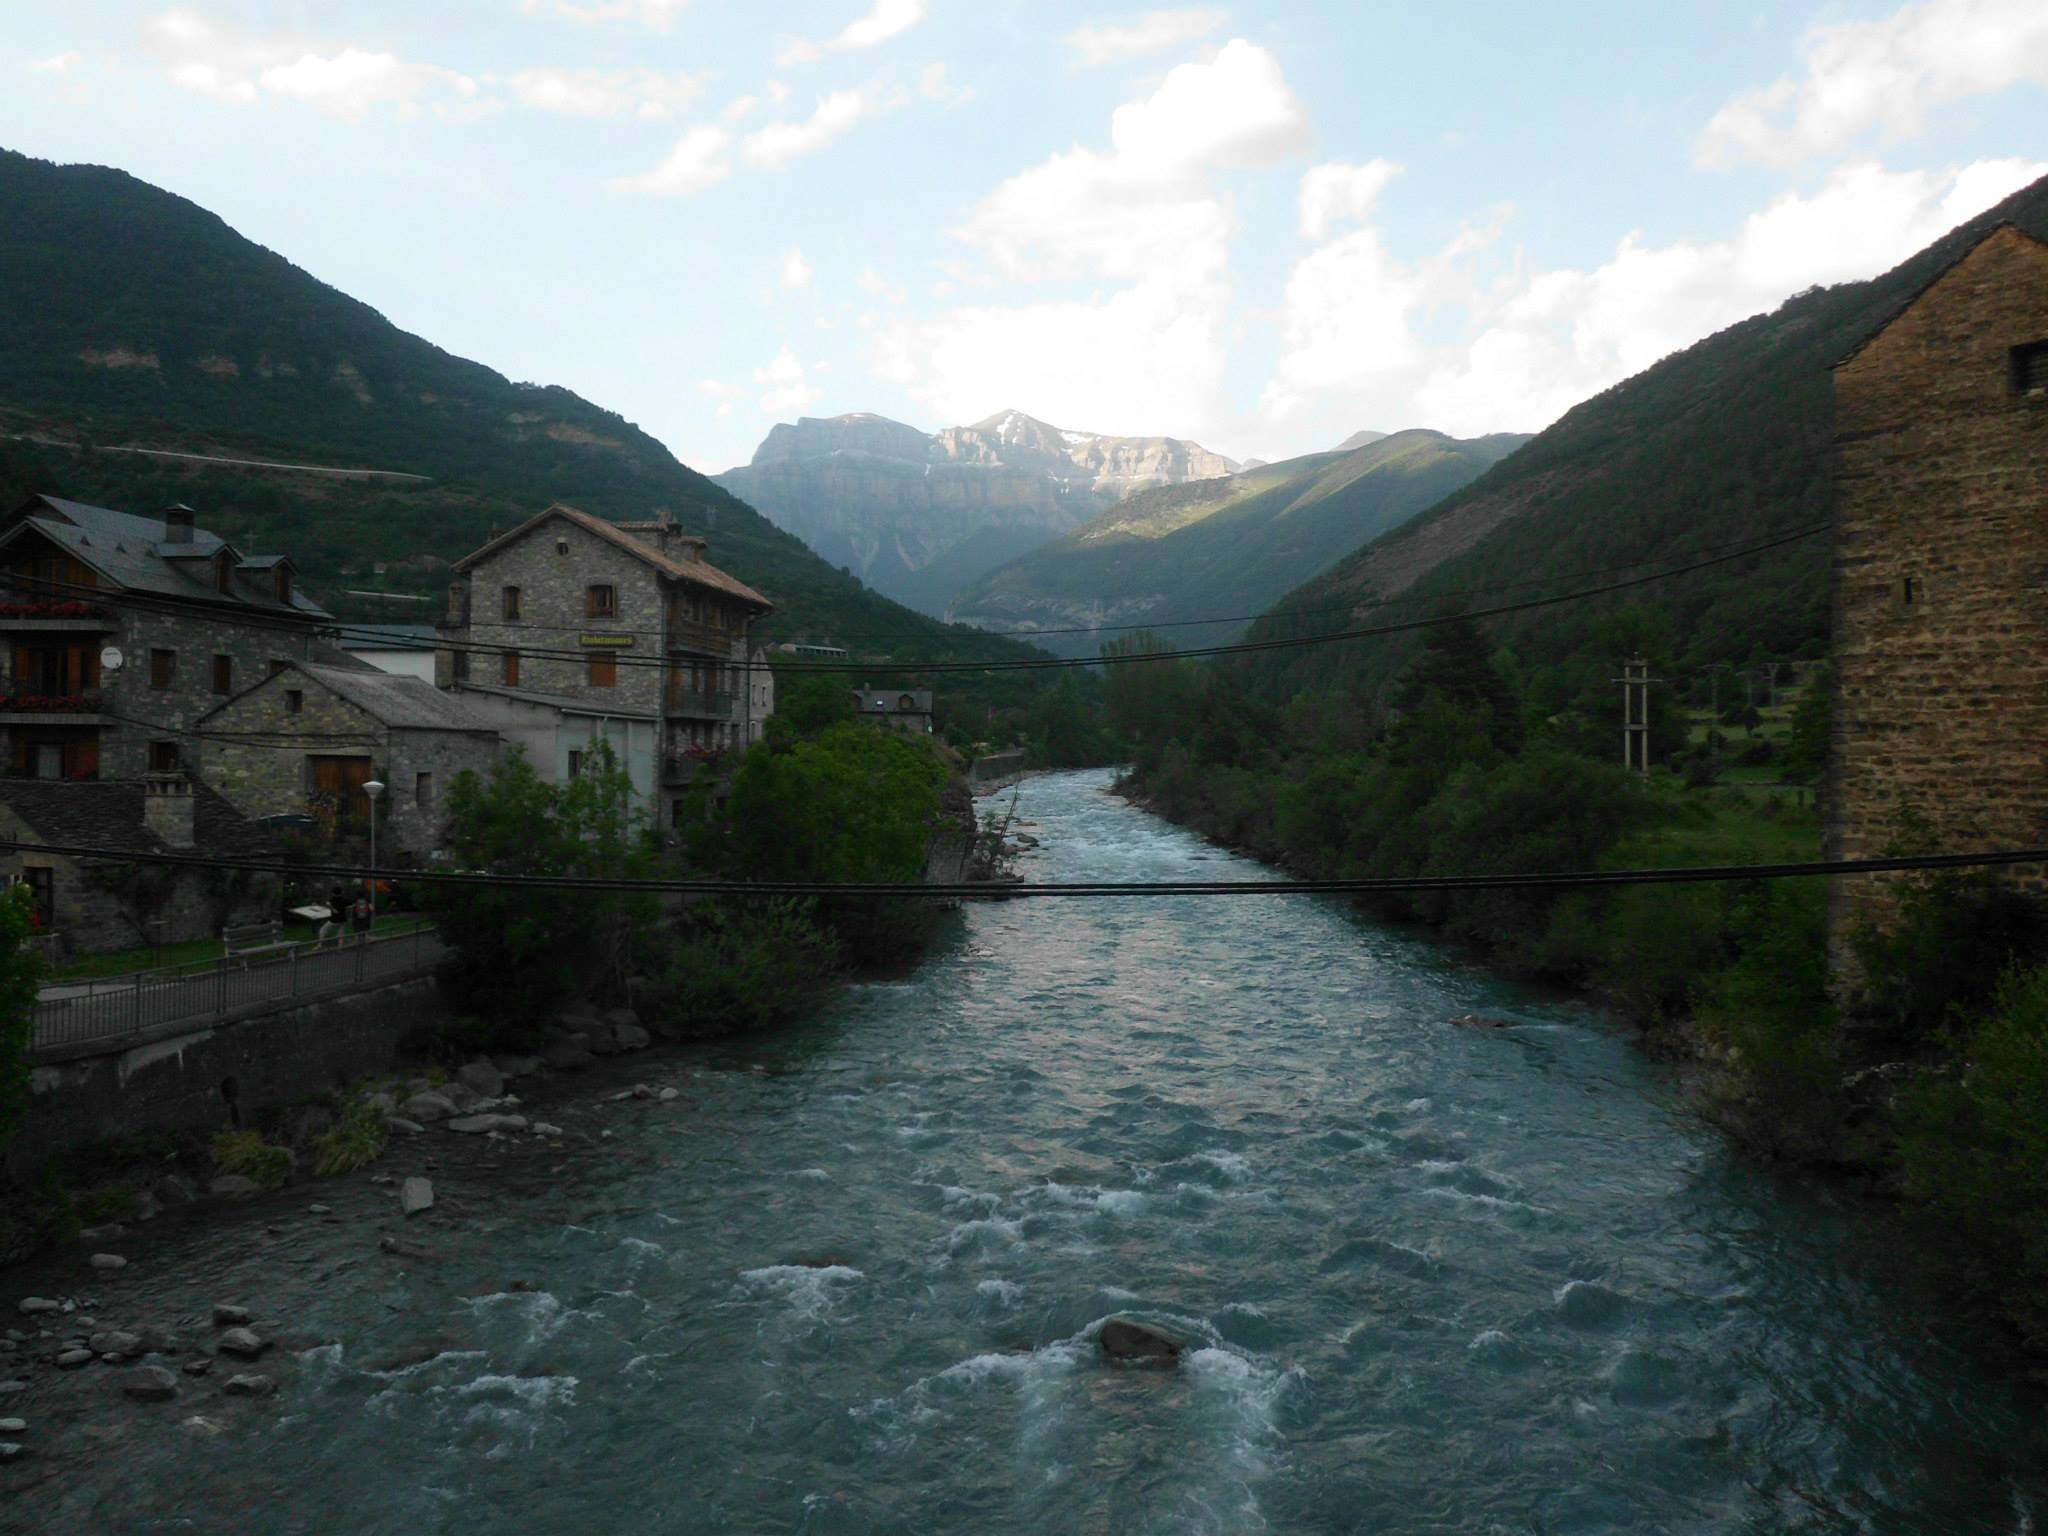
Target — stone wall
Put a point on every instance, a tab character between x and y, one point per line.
221	1076
1941	580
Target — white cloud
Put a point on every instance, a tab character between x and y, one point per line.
655	15
796	272
772	147
1887	74
697	161
57	63
1090	47
877	286
889	18
786	387
232	64
1144	214
644	93
1358	346
1342	194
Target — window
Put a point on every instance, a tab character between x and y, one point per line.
601	602
223	572
510	665
163	757
604	671
575	764
42	884
277	665
561	546
284	583
511	611
423	791
2030	368
223	674
163	669
294	701
459	664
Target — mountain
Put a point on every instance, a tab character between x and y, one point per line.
1359	440
1722	445
919	516
1222	547
135	316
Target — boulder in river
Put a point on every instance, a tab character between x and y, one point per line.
150	1384
477	1125
1138	1343
116	1343
427	1107
108	1261
30	1305
482	1079
72	1359
225	1316
631	1037
250	1386
516	1066
243	1343
415	1195
173	1190
569	1052
234	1186
1481	1021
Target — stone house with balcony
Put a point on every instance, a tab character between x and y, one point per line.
570	628
305	740
1940	583
92	900
122	630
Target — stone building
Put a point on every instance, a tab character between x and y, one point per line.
899	709
605	627
1940	735
305	740
93	902
123	630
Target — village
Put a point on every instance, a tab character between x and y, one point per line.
169	692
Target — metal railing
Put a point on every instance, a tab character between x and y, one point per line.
107	1011
702	703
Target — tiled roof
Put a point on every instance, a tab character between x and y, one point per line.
404	703
136	554
699	572
566	703
108	815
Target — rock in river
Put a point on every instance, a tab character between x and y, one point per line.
415	1195
1122	1339
250	1386
225	1316
477	1125
243	1342
150	1384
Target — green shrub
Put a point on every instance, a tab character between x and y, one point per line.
248	1154
1941	958
356	1138
1973	1145
744	966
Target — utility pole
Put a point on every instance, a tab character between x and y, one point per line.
1635	713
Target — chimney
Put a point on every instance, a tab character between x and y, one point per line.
458	602
178	524
167	808
692	546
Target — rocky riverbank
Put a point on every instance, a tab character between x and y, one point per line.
87	1341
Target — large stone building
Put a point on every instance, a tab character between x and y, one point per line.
304	741
1940	735
123	630
570	628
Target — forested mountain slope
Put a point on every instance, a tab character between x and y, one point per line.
135	316
1225	546
1724	444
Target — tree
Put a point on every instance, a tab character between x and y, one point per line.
521	952
808	704
1456	666
21	980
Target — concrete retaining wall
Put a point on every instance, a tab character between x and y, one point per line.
219	1076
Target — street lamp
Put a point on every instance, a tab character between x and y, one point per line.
374	788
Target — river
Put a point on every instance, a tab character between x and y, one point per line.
1437	1279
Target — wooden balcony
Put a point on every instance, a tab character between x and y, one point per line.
688	635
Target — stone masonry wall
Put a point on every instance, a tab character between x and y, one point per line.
553	617
1941	580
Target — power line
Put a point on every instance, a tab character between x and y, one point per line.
1051	663
1387	885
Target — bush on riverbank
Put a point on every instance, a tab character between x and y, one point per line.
737	965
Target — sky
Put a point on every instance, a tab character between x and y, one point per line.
1262	227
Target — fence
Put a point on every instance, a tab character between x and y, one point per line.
108	1011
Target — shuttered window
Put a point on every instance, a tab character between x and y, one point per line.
2030	368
